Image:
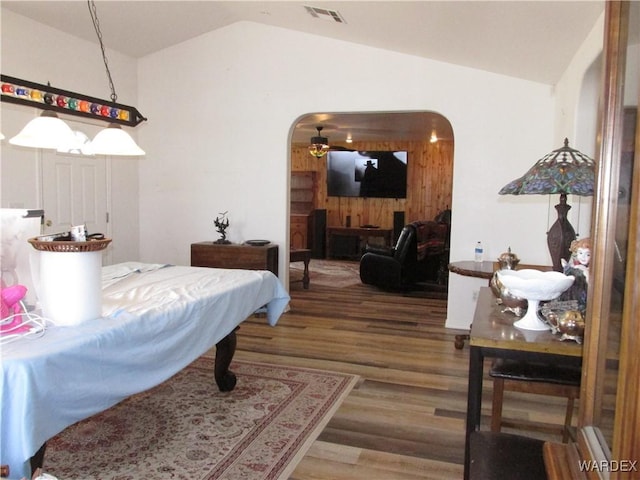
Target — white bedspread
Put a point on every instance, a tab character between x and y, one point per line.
156	320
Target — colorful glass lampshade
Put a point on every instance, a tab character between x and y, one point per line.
319	145
563	171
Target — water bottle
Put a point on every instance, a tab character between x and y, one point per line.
478	253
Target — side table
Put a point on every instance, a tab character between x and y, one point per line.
302	255
233	255
469	268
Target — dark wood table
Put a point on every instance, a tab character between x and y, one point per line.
469	268
362	233
494	336
302	255
233	255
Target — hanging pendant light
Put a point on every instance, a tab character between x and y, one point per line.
112	140
50	132
319	145
81	145
45	131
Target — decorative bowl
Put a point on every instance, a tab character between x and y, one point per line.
534	286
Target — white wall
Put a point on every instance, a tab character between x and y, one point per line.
34	52
577	95
227	147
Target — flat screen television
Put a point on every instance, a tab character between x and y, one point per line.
371	174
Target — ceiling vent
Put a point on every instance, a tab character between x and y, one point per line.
324	14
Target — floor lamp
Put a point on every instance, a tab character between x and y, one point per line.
563	171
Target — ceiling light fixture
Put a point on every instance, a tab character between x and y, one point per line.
46	97
45	131
81	145
319	145
49	131
113	140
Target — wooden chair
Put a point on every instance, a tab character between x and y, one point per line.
536	378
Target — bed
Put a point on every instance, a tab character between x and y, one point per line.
157	319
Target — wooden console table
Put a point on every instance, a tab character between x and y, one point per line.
233	255
363	234
494	336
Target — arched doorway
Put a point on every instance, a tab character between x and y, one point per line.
426	137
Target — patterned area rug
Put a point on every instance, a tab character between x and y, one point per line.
186	429
330	273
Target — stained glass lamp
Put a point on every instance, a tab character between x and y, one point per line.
563	171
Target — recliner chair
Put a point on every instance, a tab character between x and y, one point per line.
417	256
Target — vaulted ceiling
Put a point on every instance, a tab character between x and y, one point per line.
527	39
534	40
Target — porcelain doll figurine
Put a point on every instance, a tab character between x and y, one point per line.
580	257
578	266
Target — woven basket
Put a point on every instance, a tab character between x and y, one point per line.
63	246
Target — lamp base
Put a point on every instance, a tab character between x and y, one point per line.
560	235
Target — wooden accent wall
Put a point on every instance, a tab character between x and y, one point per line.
429	184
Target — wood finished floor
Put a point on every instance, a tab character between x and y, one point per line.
406	417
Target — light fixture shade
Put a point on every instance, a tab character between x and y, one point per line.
564	170
80	146
45	131
319	145
115	141
318	149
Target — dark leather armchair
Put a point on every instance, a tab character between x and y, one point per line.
418	256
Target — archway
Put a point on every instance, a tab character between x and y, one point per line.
426	137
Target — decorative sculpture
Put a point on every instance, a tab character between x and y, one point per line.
222	223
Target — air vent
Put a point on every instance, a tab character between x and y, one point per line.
324	14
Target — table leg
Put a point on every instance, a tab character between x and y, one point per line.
225	349
37	460
474	401
305	274
459	341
